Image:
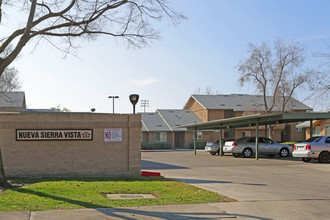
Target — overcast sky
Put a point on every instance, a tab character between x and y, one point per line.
201	52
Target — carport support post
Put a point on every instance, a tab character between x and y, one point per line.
257	140
311	128
195	134
220	141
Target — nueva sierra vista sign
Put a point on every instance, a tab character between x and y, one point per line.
54	135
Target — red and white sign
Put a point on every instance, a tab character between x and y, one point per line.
113	135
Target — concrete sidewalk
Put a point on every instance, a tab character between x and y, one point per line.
196	211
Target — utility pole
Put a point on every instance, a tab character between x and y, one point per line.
144	104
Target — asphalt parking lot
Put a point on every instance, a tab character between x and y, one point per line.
268	188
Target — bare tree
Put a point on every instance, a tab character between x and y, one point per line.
320	85
122	19
208	91
131	21
276	73
9	80
59	107
319	89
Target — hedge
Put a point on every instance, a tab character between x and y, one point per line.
156	145
199	145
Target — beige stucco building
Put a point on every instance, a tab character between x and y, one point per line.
214	107
320	127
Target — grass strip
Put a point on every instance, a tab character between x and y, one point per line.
34	194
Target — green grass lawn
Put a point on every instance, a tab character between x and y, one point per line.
73	193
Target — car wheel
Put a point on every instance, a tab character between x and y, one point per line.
305	159
324	157
236	155
247	152
218	152
284	152
213	153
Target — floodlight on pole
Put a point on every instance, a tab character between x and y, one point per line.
144	104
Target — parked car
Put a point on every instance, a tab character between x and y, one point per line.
246	146
313	148
213	147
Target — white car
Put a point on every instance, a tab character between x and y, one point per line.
314	148
213	147
246	146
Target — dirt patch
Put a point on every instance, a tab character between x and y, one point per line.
2	191
13	184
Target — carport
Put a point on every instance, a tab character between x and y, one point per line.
254	120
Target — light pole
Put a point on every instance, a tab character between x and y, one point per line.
134	98
113	102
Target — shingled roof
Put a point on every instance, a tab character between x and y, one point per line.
12	100
168	120
153	122
243	102
175	118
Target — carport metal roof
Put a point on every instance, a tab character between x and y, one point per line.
255	120
261	119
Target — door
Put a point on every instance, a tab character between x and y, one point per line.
269	146
262	145
179	140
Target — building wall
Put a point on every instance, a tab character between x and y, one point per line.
261	132
216	114
210	135
322	124
296	135
189	137
199	110
170	137
149	137
71	158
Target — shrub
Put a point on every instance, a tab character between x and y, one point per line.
289	143
156	145
199	145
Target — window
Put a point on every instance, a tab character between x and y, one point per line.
246	134
268	141
327	130
316	131
298	129
199	135
160	137
327	140
251	140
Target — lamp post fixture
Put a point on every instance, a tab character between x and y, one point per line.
134	98
113	102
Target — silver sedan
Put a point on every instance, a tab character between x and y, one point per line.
313	148
246	146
